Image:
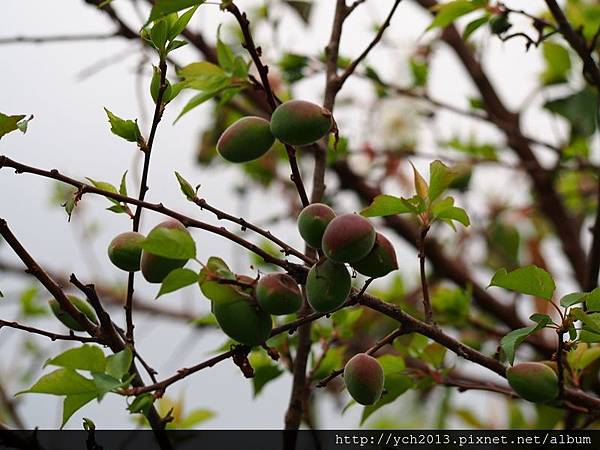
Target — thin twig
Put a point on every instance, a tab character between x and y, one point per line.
48	334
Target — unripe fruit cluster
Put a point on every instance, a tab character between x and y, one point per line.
296	122
348	238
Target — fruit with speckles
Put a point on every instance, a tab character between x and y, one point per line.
243	320
312	222
534	381
327	286
348	238
247	139
380	261
364	378
278	294
298	122
125	251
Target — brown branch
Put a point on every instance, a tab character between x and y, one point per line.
84	188
287	249
48	334
34	268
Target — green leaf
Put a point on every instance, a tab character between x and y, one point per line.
159	34
105	383
126	129
385	205
86	357
592	301
511	341
177	279
591	321
474	25
186	187
558	63
123	185
181	23
118	365
588	357
163	8
9	123
573	299
203	76
171	243
62	382
201	98
141	404
530	280
265	371
73	403
225	55
449	12
196	417
579	109
440	177
446	211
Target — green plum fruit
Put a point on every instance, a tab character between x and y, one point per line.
363	377
327	286
380	261
278	294
298	122
243	321
534	381
312	222
348	238
247	139
67	319
155	268
125	251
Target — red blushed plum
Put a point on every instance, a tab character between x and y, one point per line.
363	377
348	238
380	261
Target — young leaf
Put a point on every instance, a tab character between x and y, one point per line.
264	371
420	184
86	357
170	243
163	8
123	185
511	341
225	55
449	12
440	177
181	23
117	365
385	205
474	25
186	187
126	129
9	123
572	299
177	279
530	280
